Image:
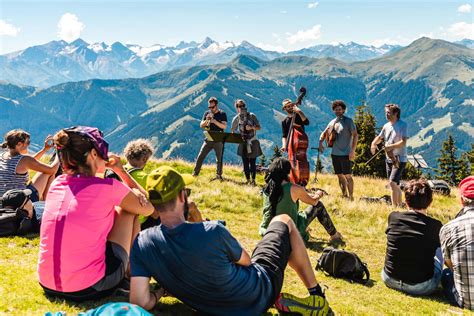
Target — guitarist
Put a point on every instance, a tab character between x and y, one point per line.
341	135
300	120
395	135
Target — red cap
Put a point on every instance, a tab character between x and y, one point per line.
467	187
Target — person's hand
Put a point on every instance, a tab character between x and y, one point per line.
209	117
141	197
114	163
248	127
373	149
48	143
352	155
282	149
296	109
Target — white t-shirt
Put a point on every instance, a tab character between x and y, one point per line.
393	133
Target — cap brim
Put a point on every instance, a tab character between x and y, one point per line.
188	179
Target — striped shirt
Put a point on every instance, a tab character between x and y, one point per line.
457	242
9	179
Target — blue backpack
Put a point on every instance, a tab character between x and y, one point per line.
111	309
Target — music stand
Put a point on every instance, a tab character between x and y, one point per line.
223	137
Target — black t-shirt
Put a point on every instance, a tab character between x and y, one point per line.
220	116
285	124
412	240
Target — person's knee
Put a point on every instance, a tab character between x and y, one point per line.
394	185
348	177
284	218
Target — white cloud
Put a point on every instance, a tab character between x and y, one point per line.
7	29
303	36
465	8
313	5
461	30
69	27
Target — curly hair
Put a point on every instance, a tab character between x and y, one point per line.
138	149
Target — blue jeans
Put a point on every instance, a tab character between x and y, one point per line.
424	288
447	280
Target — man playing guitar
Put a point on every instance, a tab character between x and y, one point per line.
341	135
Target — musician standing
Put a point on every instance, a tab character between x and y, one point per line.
342	133
300	120
213	119
395	135
247	125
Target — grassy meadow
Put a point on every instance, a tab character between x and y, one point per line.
362	225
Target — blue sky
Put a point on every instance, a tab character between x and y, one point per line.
277	25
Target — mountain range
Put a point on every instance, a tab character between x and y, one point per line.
58	61
432	81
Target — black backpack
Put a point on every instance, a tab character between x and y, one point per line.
15	222
343	264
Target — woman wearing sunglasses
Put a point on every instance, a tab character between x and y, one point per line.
89	223
15	164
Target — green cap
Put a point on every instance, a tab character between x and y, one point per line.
164	184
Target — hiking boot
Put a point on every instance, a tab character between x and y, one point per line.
313	305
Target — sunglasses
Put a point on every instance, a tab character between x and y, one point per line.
211	106
188	191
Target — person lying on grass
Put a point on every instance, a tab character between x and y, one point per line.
205	267
280	196
89	223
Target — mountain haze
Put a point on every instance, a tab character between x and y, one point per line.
432	81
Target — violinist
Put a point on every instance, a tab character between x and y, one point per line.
300	120
247	125
341	135
395	135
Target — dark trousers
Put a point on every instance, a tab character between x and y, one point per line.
447	281
319	211
250	167
206	147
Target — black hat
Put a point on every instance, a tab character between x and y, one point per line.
16	198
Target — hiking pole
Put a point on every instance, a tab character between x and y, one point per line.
375	155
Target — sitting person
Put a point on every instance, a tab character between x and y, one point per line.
89	223
457	242
280	196
204	266
413	262
15	164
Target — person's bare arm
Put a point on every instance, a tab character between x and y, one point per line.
355	139
396	145
48	144
135	202
222	125
30	163
140	293
299	193
373	147
244	259
283	144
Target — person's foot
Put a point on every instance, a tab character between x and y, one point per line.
252	183
194	174
123	288
310	305
336	240
219	177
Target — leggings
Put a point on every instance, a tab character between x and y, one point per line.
320	212
250	167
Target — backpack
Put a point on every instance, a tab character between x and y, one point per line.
14	222
117	309
343	264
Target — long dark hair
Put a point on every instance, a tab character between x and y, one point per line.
278	171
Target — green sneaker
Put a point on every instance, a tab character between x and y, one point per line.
312	305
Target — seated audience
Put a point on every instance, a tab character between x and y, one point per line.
204	266
413	262
15	162
89	223
457	242
280	196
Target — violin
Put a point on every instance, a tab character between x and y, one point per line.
297	145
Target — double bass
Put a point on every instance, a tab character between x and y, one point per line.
297	145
